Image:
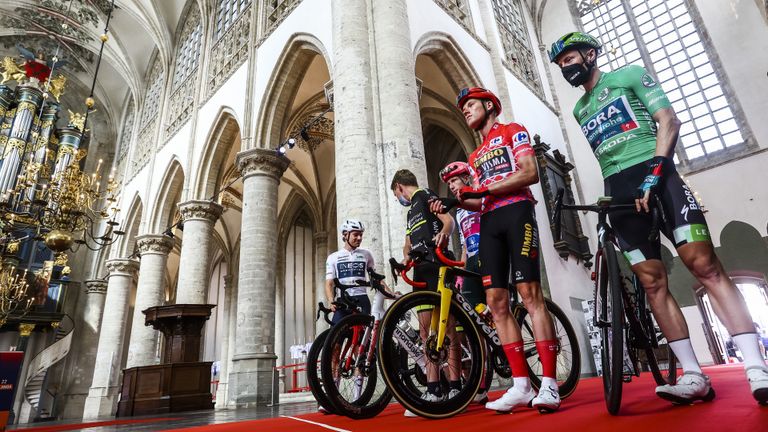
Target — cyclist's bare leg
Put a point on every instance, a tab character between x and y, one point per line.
653	276
498	300
533	299
727	301
454	353
425	321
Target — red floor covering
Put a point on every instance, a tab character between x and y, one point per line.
77	426
732	410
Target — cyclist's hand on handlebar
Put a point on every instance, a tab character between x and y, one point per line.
442	205
468	192
441	240
651	182
332	306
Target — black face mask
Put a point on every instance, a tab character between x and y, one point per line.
577	74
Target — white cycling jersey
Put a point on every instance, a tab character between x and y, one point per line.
349	267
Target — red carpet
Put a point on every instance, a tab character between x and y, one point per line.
732	410
76	426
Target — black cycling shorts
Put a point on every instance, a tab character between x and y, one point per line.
509	237
685	220
362	301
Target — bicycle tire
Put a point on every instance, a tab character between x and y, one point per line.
662	376
612	355
390	362
370	403
567	380
313	376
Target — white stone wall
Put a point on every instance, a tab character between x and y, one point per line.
568	280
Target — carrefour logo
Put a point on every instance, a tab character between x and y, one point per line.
614	118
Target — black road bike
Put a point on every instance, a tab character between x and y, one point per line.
621	309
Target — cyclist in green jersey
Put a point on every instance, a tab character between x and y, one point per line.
632	129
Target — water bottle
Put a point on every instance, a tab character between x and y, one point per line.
485	312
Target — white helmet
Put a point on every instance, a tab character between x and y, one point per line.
352	225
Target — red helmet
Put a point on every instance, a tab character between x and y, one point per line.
477	93
454	169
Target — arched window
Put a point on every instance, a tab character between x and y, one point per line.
227	13
152	97
182	98
513	31
188	53
127	131
665	37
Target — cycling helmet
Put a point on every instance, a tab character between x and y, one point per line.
573	40
352	225
454	169
477	93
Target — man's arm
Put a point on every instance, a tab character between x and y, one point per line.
406	249
669	130
441	239
329	288
526	175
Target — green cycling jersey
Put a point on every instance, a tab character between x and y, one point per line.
616	117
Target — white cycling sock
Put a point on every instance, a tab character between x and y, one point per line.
522	384
747	343
684	352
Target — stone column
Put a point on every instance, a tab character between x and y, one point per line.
400	117
80	367
221	391
357	176
321	255
251	375
194	265
231	332
150	291
102	396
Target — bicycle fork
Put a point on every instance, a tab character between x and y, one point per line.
439	321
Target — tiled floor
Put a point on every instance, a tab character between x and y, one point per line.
189	419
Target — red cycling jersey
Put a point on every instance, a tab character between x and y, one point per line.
497	159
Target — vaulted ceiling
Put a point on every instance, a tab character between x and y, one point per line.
137	28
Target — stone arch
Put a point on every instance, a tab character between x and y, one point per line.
164	206
132	224
225	130
742	248
274	114
449	56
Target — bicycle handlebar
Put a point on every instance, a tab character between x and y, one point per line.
603	205
396	268
447	261
321	309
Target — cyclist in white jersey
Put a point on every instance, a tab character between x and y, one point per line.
349	265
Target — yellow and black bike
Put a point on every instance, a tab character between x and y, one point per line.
433	315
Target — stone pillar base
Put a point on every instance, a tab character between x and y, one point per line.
74	404
221	396
101	402
252	381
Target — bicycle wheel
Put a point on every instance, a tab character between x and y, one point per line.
568	354
361	393
611	323
662	376
313	372
401	335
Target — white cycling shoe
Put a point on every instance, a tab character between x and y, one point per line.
429	397
758	383
547	401
690	387
512	399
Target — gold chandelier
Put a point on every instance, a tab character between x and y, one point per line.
13	292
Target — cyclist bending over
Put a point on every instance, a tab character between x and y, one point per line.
619	114
422	229
502	168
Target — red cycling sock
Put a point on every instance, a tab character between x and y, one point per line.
516	358
548	355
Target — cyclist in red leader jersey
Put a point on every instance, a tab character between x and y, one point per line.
502	168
